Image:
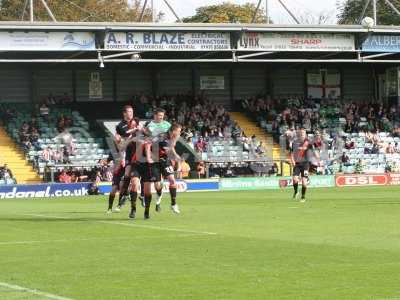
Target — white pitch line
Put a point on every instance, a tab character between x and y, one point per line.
128	224
54	241
158	228
32	291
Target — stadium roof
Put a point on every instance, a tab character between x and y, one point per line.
85	26
233	54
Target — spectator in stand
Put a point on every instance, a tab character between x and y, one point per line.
51	100
349	144
201	145
359	167
44	111
246	144
93	189
98	178
47	155
34	138
189	141
390	149
201	170
259	149
185	169
65	155
64	177
396	147
57	156
65	99
7	175
274	170
345	159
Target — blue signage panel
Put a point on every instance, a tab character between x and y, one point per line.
43	190
381	43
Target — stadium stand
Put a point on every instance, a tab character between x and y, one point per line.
360	136
14	157
214	134
52	135
56	136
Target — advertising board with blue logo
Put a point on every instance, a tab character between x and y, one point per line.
47	41
81	189
182	186
43	190
381	43
224	184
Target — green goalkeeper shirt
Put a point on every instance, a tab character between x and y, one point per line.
158	128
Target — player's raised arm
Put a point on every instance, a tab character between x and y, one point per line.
174	135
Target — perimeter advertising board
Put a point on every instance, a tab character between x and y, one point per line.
47	41
381	43
167	41
270	41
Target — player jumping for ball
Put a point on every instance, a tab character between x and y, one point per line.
301	153
127	129
167	153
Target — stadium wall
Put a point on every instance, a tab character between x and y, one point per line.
224	184
119	83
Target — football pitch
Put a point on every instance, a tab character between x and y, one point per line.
340	244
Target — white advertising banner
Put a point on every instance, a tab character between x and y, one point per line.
268	41
212	82
47	41
167	41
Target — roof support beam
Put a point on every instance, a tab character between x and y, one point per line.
31	10
393	7
120	54
256	11
23	11
48	10
143	11
173	11
254	54
364	10
376	55
289	12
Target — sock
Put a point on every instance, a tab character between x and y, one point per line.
110	201
133	200
303	191
120	199
142	188
295	186
172	191
147	200
159	192
125	185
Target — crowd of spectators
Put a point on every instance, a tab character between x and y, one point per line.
103	172
335	123
56	99
203	121
29	135
313	115
6	174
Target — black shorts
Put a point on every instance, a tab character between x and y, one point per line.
301	169
150	172
135	169
166	167
118	177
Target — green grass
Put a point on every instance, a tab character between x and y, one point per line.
341	244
